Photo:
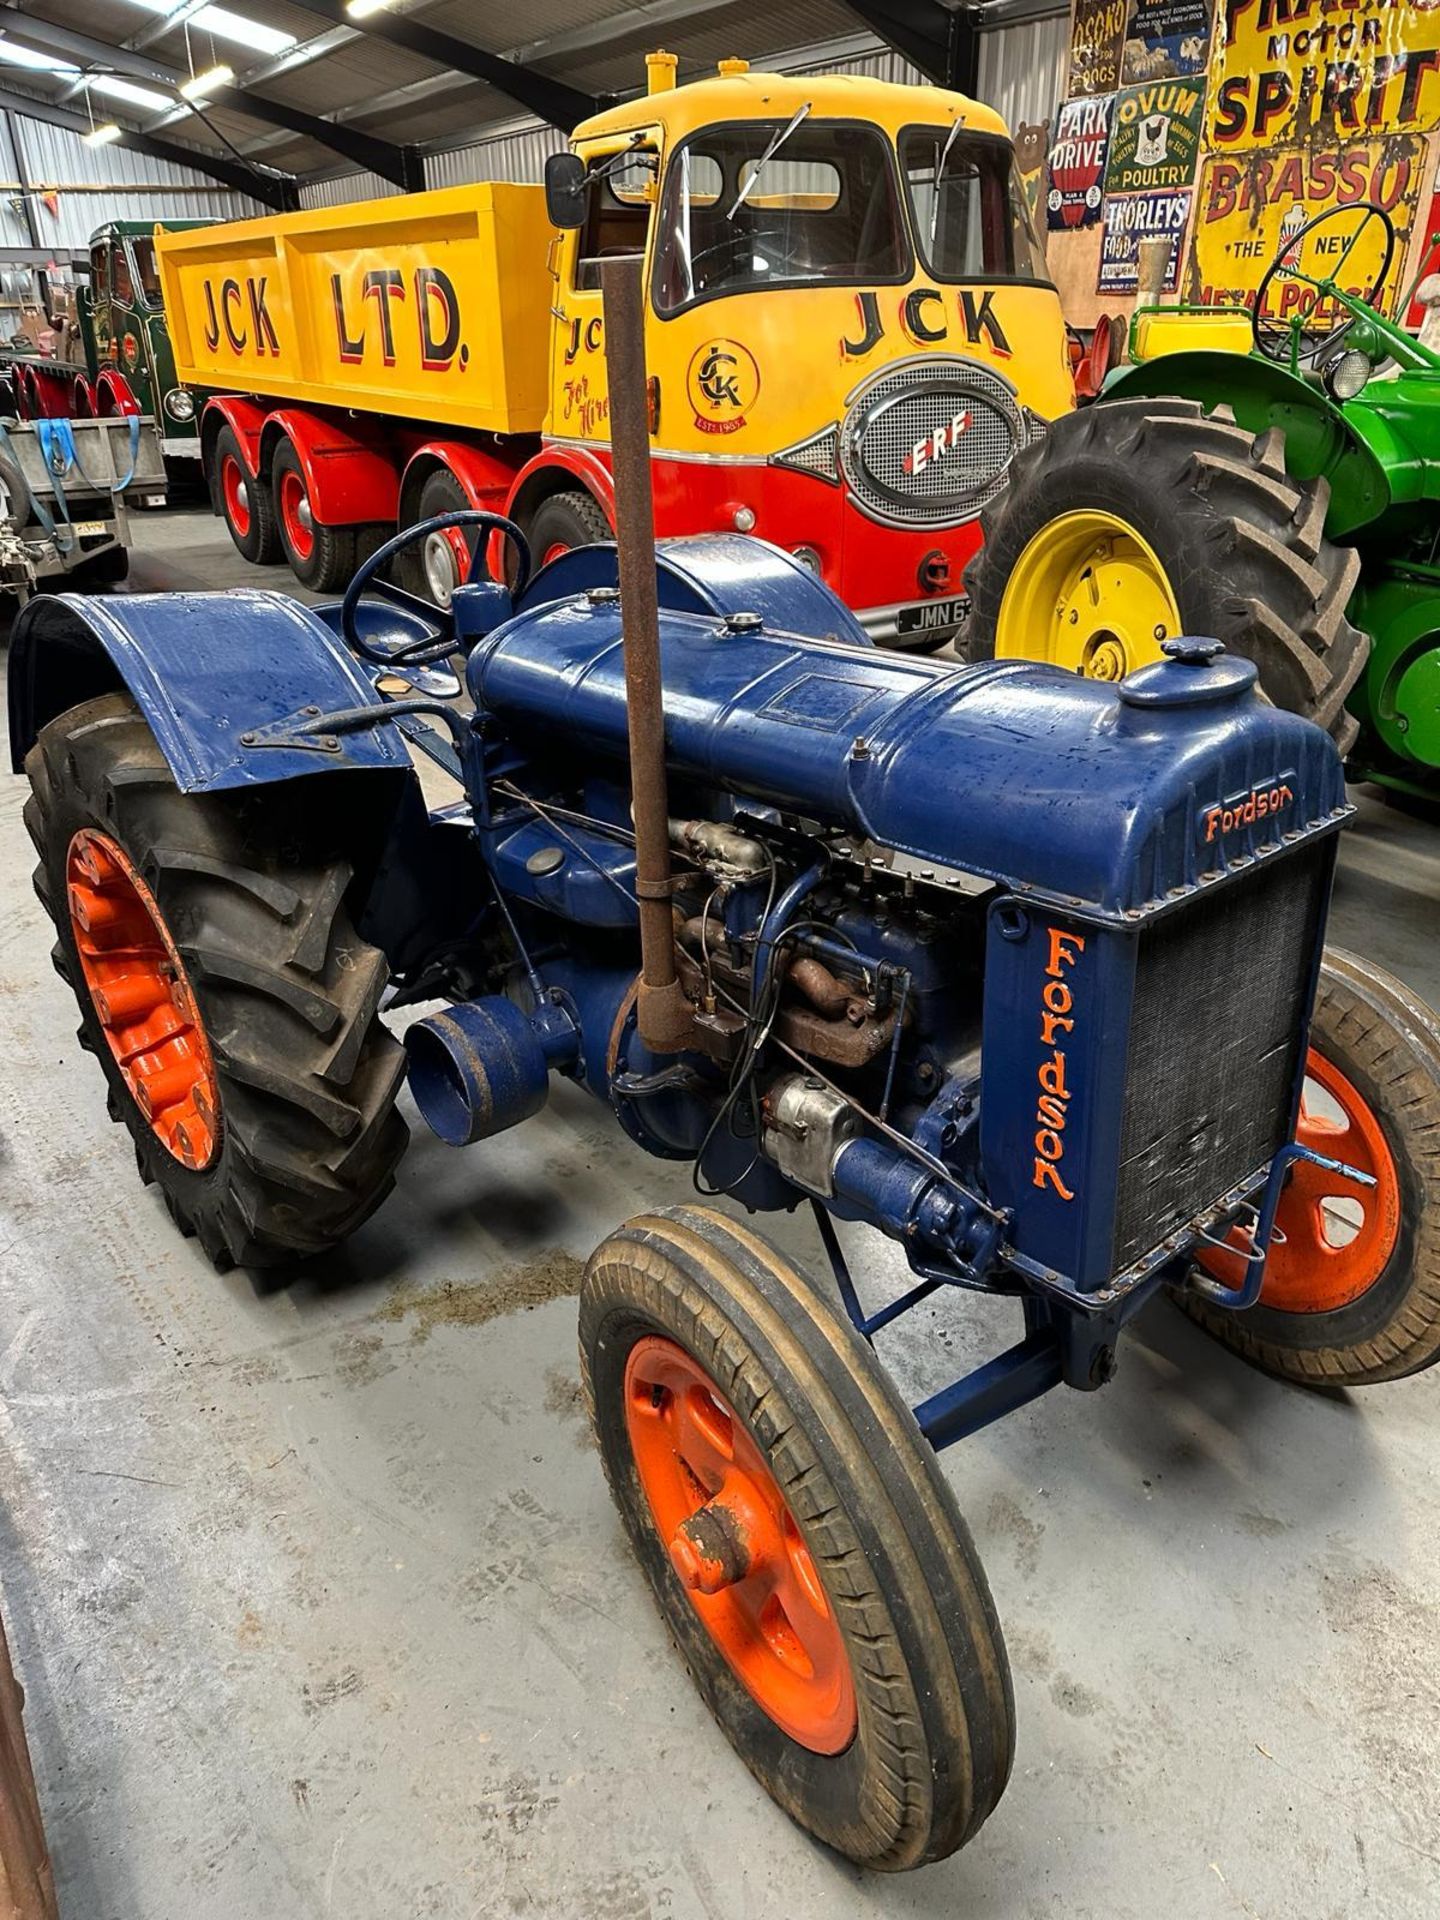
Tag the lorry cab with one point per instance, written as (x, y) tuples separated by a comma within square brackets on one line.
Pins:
[(127, 344), (908, 345)]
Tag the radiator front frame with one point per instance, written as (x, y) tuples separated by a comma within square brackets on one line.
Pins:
[(1080, 967)]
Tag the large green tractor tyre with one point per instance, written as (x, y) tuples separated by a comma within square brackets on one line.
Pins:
[(1135, 520), (222, 987)]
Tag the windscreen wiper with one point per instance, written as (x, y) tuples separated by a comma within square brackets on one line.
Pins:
[(767, 156), (950, 140)]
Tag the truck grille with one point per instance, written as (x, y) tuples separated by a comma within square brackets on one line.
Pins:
[(1219, 991), (964, 418)]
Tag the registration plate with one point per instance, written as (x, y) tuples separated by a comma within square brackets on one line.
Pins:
[(933, 616), (87, 529)]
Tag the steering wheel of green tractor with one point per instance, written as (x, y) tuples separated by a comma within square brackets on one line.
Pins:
[(440, 641), (1292, 341)]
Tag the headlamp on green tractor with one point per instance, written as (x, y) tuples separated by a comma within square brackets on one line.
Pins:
[(1347, 376)]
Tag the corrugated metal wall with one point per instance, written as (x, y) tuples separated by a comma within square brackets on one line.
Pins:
[(349, 186), (95, 184), (1022, 69)]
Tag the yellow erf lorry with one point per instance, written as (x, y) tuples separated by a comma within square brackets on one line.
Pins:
[(850, 335)]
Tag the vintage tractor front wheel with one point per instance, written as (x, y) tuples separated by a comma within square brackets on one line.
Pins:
[(1352, 1292), (1132, 521), (804, 1548), (222, 987)]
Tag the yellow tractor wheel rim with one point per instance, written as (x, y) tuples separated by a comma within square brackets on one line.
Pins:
[(1088, 593)]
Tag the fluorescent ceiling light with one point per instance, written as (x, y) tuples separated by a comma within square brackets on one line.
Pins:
[(362, 9), (101, 136), (226, 25), (127, 90), (19, 56), (201, 84)]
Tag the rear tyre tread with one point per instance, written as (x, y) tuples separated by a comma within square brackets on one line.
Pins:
[(308, 1075)]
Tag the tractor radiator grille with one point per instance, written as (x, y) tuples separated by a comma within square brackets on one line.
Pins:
[(1219, 989)]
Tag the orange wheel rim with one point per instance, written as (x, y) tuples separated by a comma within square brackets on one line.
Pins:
[(1339, 1235), (142, 998), (554, 551), (736, 1547)]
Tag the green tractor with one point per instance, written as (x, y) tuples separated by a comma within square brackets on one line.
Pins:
[(1268, 476)]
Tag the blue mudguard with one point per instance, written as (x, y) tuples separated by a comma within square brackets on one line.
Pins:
[(205, 669)]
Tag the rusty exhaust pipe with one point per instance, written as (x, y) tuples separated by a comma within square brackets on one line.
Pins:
[(663, 1014)]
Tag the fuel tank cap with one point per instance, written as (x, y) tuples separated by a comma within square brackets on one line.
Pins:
[(1196, 672)]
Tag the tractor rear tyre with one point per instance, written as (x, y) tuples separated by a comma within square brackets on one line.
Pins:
[(1134, 520), (566, 520), (243, 502), (1352, 1294), (222, 987), (803, 1546), (321, 558)]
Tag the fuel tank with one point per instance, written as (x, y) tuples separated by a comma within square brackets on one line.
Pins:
[(1119, 800)]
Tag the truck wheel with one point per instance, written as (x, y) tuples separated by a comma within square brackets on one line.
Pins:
[(805, 1550), (1352, 1293), (438, 564), (321, 558), (222, 987), (244, 501), (1134, 520), (564, 521)]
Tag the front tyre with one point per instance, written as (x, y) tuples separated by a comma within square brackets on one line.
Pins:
[(802, 1544), (1133, 521), (566, 520), (1352, 1293), (222, 987)]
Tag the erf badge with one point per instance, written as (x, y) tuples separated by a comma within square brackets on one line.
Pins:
[(723, 383)]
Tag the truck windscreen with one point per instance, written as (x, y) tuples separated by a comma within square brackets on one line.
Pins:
[(822, 210), (971, 218)]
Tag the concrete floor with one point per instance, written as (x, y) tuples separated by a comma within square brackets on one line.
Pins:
[(322, 1607)]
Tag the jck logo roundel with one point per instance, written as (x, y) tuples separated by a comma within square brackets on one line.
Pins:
[(723, 382)]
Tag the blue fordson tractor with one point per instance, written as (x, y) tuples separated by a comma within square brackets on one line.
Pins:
[(1021, 970)]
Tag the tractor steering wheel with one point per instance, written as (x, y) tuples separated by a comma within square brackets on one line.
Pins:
[(1276, 339), (440, 641)]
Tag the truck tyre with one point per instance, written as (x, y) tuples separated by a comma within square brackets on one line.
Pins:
[(222, 987), (1352, 1294), (437, 564), (243, 501), (802, 1544), (1134, 520), (321, 558), (567, 520)]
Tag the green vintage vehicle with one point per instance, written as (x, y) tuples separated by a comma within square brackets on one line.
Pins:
[(128, 365), (1267, 475)]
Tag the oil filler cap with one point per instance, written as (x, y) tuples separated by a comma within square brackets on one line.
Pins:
[(1196, 672)]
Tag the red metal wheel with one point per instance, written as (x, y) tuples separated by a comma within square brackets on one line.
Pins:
[(142, 998), (554, 551), (1338, 1235), (736, 1547), (295, 514), (235, 487)]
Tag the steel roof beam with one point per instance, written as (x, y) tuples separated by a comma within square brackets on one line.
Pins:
[(401, 165), (941, 41), (277, 190), (552, 100)]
